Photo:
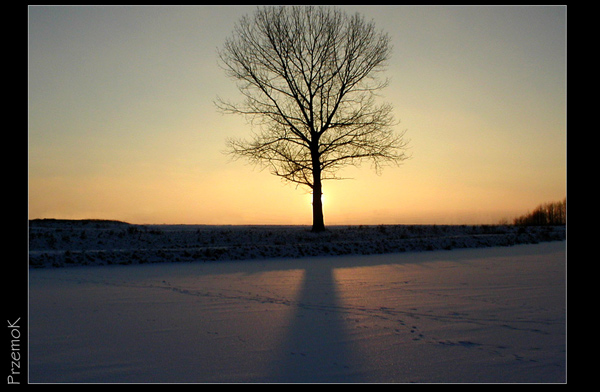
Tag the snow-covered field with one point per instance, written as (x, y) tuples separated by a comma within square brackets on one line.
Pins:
[(484, 314), (67, 243)]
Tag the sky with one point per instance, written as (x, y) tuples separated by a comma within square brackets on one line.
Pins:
[(122, 122)]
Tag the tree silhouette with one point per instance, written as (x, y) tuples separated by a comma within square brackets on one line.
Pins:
[(309, 78), (547, 214)]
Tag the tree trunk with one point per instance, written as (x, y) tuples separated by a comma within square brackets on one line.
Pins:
[(318, 221)]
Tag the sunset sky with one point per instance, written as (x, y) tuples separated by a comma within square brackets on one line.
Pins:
[(122, 121)]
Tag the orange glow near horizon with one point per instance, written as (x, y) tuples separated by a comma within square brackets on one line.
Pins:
[(122, 123)]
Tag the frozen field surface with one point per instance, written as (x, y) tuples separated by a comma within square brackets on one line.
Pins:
[(495, 314)]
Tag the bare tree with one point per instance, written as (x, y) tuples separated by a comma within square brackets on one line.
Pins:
[(309, 78), (547, 214)]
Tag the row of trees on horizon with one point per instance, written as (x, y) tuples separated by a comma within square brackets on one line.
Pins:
[(547, 214)]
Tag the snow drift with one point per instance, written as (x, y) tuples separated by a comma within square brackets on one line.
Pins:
[(55, 243)]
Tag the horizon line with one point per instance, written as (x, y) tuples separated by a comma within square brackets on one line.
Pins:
[(115, 221)]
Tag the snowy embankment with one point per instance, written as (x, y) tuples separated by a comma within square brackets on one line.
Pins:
[(55, 243)]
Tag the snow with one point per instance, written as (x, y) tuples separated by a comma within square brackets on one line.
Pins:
[(474, 314), (69, 243)]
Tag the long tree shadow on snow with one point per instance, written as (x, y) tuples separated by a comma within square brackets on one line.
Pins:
[(317, 347)]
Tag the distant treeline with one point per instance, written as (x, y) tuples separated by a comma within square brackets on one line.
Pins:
[(548, 214)]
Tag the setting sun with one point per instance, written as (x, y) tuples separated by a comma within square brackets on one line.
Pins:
[(324, 199)]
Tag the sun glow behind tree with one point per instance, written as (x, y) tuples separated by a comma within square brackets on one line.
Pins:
[(308, 76)]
